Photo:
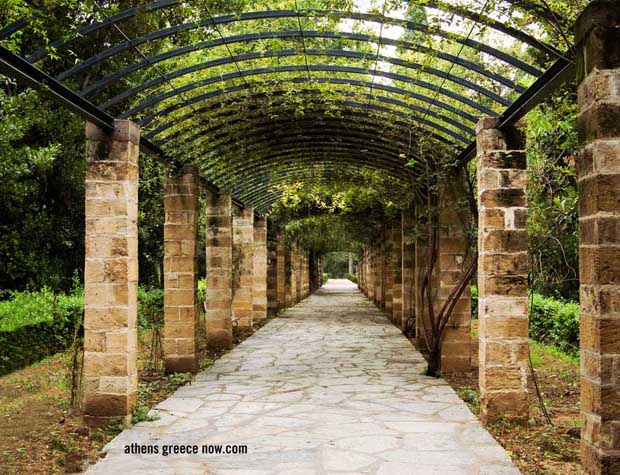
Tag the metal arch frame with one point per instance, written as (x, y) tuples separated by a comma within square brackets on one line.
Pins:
[(335, 54), (293, 34), (276, 14), (311, 122), (259, 147), (209, 146), (379, 152), (394, 113), (303, 80), (249, 120), (284, 69), (290, 160), (297, 68), (260, 193), (266, 162), (533, 95)]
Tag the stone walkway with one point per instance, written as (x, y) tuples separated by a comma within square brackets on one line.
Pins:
[(329, 387)]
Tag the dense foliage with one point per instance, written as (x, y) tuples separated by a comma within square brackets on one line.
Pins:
[(34, 325), (555, 321), (553, 195)]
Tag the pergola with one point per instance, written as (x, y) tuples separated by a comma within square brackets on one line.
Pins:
[(242, 99)]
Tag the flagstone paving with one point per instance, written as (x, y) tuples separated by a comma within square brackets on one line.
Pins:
[(331, 386)]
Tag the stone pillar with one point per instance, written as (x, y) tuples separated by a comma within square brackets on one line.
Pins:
[(388, 271), (306, 281), (219, 270), (272, 271), (379, 253), (243, 260), (294, 273), (408, 265), (289, 277), (360, 272), (111, 273), (281, 270), (181, 271), (259, 271), (350, 263), (371, 273), (396, 265), (502, 272), (454, 258), (598, 169), (300, 274)]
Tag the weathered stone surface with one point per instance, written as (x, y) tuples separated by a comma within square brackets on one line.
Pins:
[(180, 338), (243, 262), (219, 269), (111, 272), (598, 62), (259, 270), (312, 392), (502, 273)]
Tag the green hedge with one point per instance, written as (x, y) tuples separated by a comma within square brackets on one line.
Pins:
[(34, 325), (551, 321), (555, 321)]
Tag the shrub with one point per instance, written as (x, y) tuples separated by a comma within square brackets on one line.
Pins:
[(555, 321), (34, 325), (552, 321), (326, 277), (150, 307), (202, 291)]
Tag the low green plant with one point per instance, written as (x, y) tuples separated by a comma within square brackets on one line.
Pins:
[(556, 322), (202, 291), (150, 308), (179, 379), (141, 414), (552, 321)]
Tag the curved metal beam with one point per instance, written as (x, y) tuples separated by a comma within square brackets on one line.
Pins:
[(329, 137), (193, 145), (153, 101), (276, 14), (362, 84), (351, 55), (261, 194), (363, 123), (290, 161), (328, 130), (296, 34), (247, 121), (250, 122), (218, 175), (304, 155)]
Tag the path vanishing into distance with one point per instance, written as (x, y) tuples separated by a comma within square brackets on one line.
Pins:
[(330, 386)]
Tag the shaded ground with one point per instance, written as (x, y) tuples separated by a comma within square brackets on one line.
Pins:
[(538, 448), (330, 387)]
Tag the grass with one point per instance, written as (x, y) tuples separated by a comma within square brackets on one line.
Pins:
[(542, 353)]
